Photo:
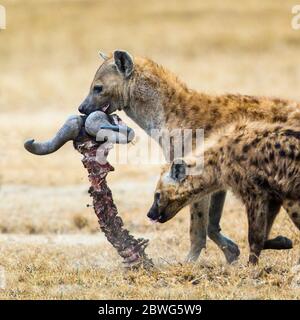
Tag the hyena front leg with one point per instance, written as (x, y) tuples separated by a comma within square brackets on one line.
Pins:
[(229, 248), (198, 228), (210, 206), (257, 210)]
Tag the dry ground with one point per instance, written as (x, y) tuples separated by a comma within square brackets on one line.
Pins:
[(50, 243)]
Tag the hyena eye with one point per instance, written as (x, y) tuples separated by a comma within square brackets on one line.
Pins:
[(98, 89)]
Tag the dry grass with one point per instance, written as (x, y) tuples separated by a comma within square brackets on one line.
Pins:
[(88, 270), (50, 245)]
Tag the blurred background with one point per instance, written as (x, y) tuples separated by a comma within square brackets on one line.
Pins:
[(48, 57)]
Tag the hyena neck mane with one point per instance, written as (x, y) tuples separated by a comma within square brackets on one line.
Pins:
[(159, 100)]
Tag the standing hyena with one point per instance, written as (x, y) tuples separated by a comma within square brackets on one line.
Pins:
[(259, 162), (156, 99)]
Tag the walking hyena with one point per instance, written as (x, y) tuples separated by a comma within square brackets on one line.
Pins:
[(259, 162), (156, 99)]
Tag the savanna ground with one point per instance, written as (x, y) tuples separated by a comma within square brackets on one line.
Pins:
[(50, 243)]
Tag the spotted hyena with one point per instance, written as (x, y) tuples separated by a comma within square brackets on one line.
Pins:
[(259, 162), (156, 99)]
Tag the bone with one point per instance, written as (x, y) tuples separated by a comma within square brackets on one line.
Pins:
[(104, 128), (130, 249), (99, 125), (69, 131)]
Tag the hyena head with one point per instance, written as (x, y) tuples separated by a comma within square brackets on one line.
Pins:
[(174, 191), (108, 90)]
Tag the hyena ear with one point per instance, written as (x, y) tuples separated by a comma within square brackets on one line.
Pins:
[(123, 62), (103, 56), (178, 170)]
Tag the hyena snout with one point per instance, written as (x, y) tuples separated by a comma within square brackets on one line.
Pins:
[(81, 108), (87, 106), (153, 213)]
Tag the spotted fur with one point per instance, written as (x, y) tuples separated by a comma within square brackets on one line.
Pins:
[(259, 162), (155, 98)]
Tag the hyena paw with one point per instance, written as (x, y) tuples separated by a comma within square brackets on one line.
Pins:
[(192, 256), (231, 251), (278, 243)]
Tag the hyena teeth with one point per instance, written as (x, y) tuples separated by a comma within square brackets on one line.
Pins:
[(105, 108)]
